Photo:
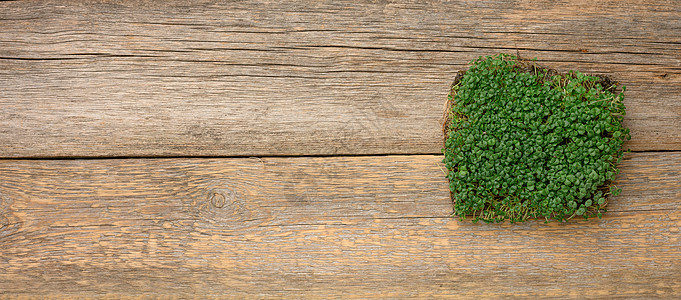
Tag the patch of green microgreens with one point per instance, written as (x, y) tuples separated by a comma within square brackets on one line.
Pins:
[(525, 142)]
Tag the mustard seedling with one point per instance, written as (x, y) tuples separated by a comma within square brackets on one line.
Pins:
[(525, 142)]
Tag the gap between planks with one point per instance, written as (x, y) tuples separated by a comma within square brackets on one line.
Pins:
[(257, 157)]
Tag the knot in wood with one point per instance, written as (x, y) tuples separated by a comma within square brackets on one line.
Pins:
[(220, 198)]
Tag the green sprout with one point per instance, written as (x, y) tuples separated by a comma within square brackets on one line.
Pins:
[(526, 142)]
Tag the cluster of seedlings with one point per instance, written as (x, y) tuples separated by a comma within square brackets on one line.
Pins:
[(525, 142)]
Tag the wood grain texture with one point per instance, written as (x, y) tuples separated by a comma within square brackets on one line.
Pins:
[(346, 227), (244, 78)]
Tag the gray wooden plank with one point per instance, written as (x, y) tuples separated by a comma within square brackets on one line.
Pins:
[(342, 227), (201, 78)]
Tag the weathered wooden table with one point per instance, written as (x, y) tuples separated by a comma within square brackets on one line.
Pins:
[(266, 149)]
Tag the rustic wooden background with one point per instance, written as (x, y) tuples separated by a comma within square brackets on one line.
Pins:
[(292, 149)]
